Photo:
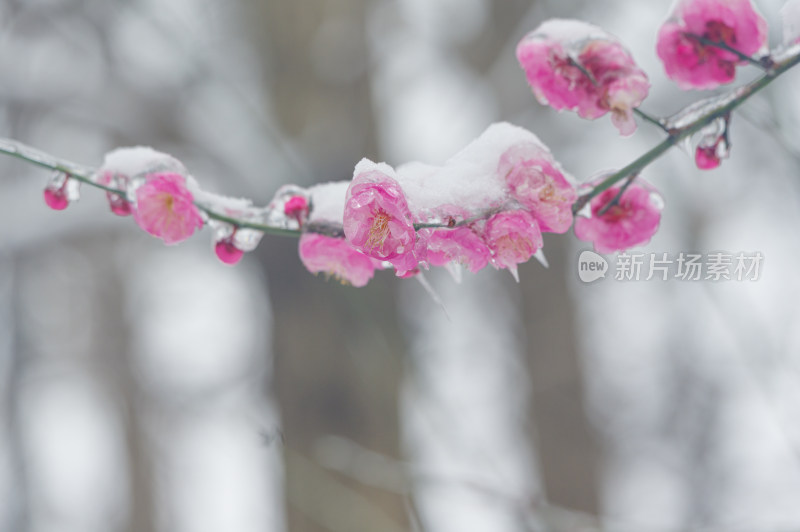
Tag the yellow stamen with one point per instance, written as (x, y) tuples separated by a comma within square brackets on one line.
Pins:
[(378, 231)]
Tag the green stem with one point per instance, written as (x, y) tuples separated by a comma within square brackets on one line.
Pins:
[(735, 98), (267, 229), (647, 118), (618, 195)]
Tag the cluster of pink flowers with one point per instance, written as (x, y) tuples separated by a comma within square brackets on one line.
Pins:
[(573, 65), (159, 201), (516, 195), (490, 203)]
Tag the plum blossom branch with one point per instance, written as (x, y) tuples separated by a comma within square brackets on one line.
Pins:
[(490, 202), (680, 128), (86, 175)]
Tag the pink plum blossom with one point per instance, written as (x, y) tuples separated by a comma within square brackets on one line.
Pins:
[(573, 65), (335, 257), (377, 220), (459, 245), (632, 221), (165, 208), (693, 64), (537, 182), (513, 237)]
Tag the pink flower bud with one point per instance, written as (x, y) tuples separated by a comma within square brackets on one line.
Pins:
[(336, 258), (573, 65), (227, 251), (56, 199), (693, 64), (296, 207), (119, 205), (165, 208), (60, 191), (632, 221), (706, 157), (537, 182), (377, 220)]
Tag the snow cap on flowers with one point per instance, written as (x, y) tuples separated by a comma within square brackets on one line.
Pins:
[(376, 218), (632, 221), (695, 65), (337, 258), (125, 169), (165, 208), (577, 66)]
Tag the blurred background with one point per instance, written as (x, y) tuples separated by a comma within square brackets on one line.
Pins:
[(145, 388)]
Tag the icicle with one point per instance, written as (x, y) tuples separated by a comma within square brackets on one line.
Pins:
[(539, 255), (455, 270), (432, 293)]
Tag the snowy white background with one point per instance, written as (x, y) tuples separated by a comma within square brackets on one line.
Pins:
[(148, 388)]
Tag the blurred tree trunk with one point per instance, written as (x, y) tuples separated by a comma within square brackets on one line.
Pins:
[(12, 362), (326, 382), (568, 453)]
